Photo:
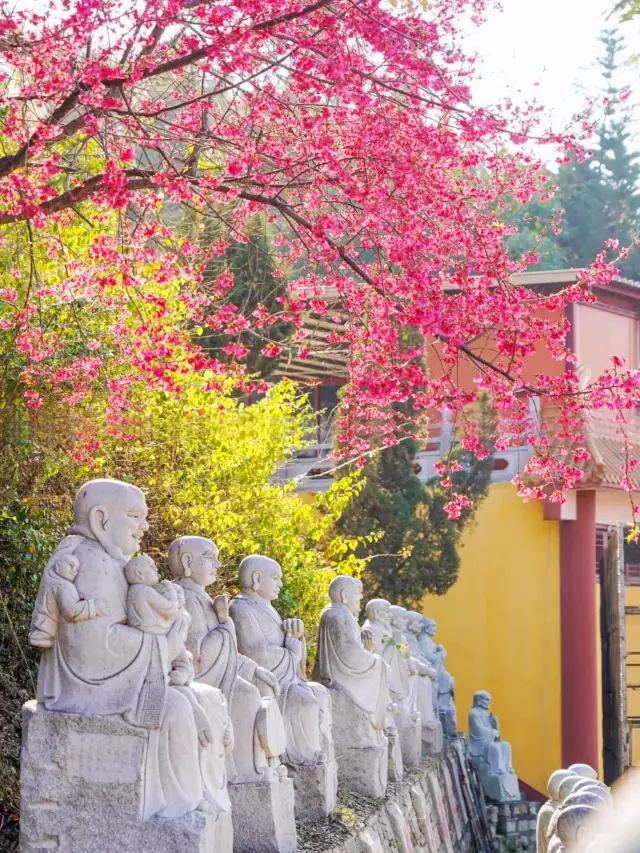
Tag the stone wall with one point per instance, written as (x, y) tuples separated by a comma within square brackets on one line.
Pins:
[(437, 808)]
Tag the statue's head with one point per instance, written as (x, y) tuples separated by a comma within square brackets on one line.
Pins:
[(482, 699), (415, 622), (379, 610), (261, 576), (196, 558), (113, 513), (584, 770), (399, 617), (429, 627), (585, 798), (555, 779), (583, 784), (348, 591), (141, 569), (67, 567), (573, 824), (566, 787)]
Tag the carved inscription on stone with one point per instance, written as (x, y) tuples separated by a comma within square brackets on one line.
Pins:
[(105, 758)]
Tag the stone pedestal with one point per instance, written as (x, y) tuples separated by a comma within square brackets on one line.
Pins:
[(263, 818), (501, 789), (410, 734), (361, 751), (315, 790), (432, 739), (82, 789)]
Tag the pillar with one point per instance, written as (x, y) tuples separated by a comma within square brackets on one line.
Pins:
[(579, 634)]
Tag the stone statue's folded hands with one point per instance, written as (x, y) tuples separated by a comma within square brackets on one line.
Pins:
[(101, 608), (268, 678), (221, 607), (368, 640), (293, 645)]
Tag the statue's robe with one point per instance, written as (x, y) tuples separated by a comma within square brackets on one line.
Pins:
[(484, 745), (217, 663), (387, 648), (545, 814), (343, 662), (305, 706)]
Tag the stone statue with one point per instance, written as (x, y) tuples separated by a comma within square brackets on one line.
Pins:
[(432, 734), (490, 754), (262, 814), (279, 646), (59, 598), (549, 808), (358, 681), (151, 606), (123, 739), (436, 655), (392, 647)]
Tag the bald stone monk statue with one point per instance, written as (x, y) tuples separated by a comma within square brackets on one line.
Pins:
[(358, 681), (102, 667), (392, 647), (211, 639), (549, 808), (279, 646), (432, 734), (261, 792), (490, 754)]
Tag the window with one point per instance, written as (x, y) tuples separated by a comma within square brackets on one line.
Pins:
[(603, 531), (632, 574)]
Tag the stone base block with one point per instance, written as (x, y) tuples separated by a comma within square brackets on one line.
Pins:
[(410, 734), (501, 789), (82, 788), (432, 739), (361, 751), (263, 818), (364, 770), (315, 790)]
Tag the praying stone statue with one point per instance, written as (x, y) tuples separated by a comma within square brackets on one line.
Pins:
[(279, 646), (113, 749), (549, 808), (444, 700), (490, 754), (393, 649), (260, 790), (432, 735), (358, 683)]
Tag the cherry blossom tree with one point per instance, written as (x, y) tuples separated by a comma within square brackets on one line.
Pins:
[(349, 126)]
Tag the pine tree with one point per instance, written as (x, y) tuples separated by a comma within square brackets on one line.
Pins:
[(601, 196), (251, 263), (414, 546)]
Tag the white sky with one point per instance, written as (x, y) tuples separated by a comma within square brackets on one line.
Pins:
[(551, 42)]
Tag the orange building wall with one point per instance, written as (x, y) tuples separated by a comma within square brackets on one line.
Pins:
[(500, 624), (598, 333)]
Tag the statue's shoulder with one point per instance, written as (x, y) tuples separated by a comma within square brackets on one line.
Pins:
[(240, 602), (335, 615)]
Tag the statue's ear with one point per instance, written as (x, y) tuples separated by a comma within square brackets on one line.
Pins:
[(98, 517), (185, 562), (256, 577), (343, 595)]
